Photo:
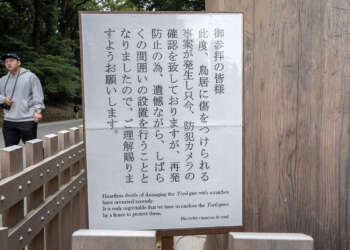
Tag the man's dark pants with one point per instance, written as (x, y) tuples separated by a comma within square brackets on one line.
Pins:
[(15, 131)]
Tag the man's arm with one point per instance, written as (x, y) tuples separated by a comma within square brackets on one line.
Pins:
[(38, 98), (2, 94), (3, 97)]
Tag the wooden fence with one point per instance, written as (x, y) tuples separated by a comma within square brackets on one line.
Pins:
[(44, 200), (296, 117)]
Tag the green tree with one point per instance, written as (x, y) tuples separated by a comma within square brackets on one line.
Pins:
[(170, 5), (45, 33)]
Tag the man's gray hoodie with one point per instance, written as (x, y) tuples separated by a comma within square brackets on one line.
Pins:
[(28, 96)]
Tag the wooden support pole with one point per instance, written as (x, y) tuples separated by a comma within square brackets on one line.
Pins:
[(74, 139), (114, 239), (64, 143), (66, 214), (3, 238), (84, 216), (167, 243), (12, 163), (267, 241), (53, 228), (35, 154)]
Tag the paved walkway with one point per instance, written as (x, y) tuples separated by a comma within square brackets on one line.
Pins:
[(49, 128)]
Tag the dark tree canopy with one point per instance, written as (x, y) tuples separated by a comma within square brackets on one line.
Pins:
[(45, 33)]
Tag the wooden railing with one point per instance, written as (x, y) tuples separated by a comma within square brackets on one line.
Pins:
[(44, 200)]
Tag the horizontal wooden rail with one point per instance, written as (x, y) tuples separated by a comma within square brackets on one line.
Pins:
[(36, 220), (16, 187)]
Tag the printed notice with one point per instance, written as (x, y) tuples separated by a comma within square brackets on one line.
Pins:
[(163, 119)]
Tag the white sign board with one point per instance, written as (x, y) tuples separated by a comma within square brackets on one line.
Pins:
[(163, 119)]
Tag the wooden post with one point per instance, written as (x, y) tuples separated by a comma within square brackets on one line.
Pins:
[(52, 229), (267, 241), (35, 154), (84, 217), (167, 243), (74, 139), (66, 214), (114, 239), (64, 143), (3, 238), (214, 5), (12, 163)]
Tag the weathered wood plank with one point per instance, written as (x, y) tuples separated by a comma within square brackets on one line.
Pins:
[(66, 214), (215, 5), (3, 238), (64, 143), (52, 229), (39, 174), (12, 163), (84, 216), (275, 110), (339, 73), (269, 241), (118, 240), (74, 139), (296, 117), (34, 154), (36, 220)]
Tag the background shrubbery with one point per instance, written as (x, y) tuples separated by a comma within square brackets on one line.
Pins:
[(45, 33)]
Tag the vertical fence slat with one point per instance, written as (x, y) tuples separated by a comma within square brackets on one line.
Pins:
[(35, 154), (74, 139), (81, 132), (12, 163), (84, 217), (52, 229), (3, 238), (66, 214), (63, 143)]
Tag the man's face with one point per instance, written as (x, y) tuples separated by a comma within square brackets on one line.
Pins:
[(12, 64)]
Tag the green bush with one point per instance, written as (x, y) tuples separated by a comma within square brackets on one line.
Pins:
[(59, 78)]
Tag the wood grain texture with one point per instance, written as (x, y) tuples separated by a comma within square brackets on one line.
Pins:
[(34, 154), (116, 240), (167, 243), (66, 227), (76, 224), (12, 163), (84, 216), (276, 241), (64, 142), (215, 5), (3, 238), (53, 228), (297, 117)]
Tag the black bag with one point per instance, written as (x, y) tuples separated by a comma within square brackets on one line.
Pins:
[(5, 106)]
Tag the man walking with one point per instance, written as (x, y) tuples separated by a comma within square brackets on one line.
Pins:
[(22, 99)]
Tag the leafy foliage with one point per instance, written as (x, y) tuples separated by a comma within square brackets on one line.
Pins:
[(170, 5), (45, 34), (60, 79)]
